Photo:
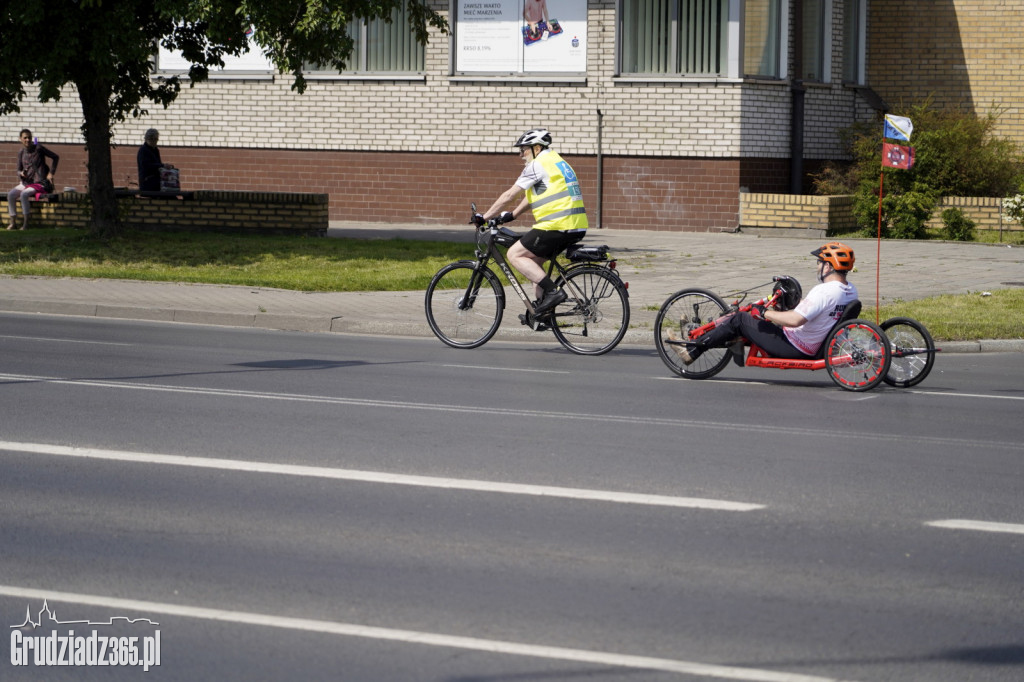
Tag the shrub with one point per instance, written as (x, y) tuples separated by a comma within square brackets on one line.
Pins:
[(956, 154), (956, 226), (1014, 207)]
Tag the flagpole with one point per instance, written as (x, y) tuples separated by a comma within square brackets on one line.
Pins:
[(878, 253)]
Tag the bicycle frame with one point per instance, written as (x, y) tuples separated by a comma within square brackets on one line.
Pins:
[(492, 253)]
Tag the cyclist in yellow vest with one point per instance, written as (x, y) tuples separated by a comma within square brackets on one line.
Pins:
[(552, 193)]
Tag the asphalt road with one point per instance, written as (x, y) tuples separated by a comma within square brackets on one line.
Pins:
[(323, 506)]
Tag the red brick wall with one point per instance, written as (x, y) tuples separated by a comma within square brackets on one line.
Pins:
[(675, 194)]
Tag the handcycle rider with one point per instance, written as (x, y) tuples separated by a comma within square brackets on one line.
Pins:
[(552, 192), (789, 334)]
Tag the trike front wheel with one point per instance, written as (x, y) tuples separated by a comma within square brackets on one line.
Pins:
[(464, 304), (913, 351), (683, 312)]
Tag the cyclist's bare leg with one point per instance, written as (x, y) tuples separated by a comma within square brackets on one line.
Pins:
[(529, 264)]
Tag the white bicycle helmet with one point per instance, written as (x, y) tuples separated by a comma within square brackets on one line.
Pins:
[(539, 136)]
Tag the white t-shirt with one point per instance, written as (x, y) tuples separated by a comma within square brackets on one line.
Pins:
[(534, 175), (825, 304)]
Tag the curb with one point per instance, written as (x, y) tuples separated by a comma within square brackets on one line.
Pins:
[(313, 323)]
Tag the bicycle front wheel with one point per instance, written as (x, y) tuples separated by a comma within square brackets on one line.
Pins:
[(683, 312), (595, 316), (464, 304), (913, 351)]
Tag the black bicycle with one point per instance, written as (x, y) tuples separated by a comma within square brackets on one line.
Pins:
[(465, 300)]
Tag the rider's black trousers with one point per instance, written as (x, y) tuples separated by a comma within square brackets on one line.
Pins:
[(769, 337)]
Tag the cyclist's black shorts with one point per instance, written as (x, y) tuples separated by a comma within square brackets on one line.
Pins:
[(549, 243)]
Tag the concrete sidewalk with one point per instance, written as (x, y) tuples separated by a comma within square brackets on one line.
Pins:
[(655, 264)]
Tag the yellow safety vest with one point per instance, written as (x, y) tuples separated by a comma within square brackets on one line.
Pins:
[(560, 207)]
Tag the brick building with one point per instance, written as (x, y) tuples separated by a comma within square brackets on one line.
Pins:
[(667, 109)]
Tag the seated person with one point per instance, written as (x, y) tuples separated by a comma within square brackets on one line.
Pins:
[(34, 176), (149, 163), (792, 334)]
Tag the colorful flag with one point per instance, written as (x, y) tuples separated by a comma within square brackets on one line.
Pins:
[(897, 156), (898, 128)]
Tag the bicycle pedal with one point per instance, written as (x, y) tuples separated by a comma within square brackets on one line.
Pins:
[(534, 324)]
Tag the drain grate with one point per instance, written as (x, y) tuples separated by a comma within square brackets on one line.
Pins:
[(1012, 284)]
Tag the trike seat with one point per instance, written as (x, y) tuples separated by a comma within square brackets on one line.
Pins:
[(851, 313)]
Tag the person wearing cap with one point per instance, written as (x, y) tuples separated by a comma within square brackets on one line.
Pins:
[(552, 192), (791, 334), (149, 163)]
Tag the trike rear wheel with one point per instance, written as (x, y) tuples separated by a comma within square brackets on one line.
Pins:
[(683, 312), (857, 355), (912, 349), (464, 304)]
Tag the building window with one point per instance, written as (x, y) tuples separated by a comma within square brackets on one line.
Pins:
[(517, 37), (674, 37), (379, 46), (762, 36), (814, 41), (854, 20)]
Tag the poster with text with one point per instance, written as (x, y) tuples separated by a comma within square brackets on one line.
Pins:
[(521, 36)]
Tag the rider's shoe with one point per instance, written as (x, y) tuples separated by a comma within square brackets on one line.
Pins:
[(736, 348), (525, 319), (679, 347), (550, 300)]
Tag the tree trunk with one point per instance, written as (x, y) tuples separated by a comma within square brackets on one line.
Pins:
[(95, 97)]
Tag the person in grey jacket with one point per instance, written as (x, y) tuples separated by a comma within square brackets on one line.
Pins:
[(34, 178)]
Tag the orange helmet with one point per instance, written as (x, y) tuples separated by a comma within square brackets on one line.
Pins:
[(836, 254)]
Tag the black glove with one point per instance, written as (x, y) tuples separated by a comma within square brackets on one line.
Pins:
[(757, 310), (506, 217), (478, 220)]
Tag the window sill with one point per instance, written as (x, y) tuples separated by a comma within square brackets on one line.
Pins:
[(520, 79), (374, 76), (671, 80)]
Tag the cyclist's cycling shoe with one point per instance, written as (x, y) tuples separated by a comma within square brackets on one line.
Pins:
[(533, 323), (550, 300)]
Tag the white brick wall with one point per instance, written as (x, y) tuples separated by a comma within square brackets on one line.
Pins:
[(704, 119)]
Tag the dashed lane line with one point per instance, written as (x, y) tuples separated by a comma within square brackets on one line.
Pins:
[(633, 420), (381, 477), (984, 526)]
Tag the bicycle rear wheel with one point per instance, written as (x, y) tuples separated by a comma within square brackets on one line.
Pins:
[(595, 317), (857, 355), (683, 312), (464, 304), (913, 351)]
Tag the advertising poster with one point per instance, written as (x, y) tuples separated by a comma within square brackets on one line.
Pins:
[(521, 36)]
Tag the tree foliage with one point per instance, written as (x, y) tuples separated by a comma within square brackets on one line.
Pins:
[(105, 49), (956, 154)]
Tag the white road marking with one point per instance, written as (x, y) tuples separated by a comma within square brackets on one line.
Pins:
[(986, 526), (628, 419), (380, 477), (415, 637), (46, 338), (968, 395), (507, 369)]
